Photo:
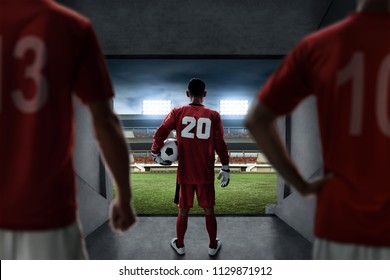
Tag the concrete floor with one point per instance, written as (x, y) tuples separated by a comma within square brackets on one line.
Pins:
[(243, 238)]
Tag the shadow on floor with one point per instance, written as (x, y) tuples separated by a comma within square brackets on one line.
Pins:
[(243, 238)]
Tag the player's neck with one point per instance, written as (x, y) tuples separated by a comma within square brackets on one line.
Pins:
[(373, 6), (196, 100)]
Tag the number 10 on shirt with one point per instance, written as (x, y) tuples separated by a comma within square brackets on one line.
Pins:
[(355, 71)]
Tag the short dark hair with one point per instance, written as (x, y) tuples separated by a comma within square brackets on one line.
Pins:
[(196, 87)]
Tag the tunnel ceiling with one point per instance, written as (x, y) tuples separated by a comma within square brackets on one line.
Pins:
[(202, 27)]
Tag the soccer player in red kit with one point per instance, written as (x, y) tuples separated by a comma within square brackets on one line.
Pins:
[(347, 68), (48, 53), (199, 133)]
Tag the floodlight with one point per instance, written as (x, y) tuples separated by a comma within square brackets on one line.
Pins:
[(233, 107), (156, 107)]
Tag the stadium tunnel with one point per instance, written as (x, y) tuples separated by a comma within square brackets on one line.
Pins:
[(221, 28)]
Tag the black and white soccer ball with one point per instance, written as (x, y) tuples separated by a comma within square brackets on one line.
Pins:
[(169, 150)]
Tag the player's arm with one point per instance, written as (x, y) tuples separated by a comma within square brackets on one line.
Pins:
[(159, 137), (115, 151), (222, 151), (261, 122)]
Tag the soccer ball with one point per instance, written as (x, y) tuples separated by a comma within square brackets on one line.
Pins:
[(169, 150)]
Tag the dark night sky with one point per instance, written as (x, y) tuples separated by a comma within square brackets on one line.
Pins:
[(138, 79)]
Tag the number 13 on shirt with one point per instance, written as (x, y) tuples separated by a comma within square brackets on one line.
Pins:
[(32, 72)]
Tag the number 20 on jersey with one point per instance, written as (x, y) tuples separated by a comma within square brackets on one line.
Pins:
[(201, 126)]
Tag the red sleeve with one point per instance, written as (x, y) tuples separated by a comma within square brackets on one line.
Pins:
[(219, 141), (288, 85), (168, 124), (92, 80)]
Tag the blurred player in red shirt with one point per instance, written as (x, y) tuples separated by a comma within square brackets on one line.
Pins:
[(347, 67), (199, 133), (48, 53)]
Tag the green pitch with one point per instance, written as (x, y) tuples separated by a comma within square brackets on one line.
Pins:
[(247, 193)]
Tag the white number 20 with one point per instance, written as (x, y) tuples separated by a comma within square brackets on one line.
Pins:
[(355, 71), (32, 71), (203, 127)]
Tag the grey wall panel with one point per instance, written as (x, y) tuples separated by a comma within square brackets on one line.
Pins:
[(298, 213), (305, 138), (86, 153), (93, 208), (295, 210), (202, 27), (93, 182)]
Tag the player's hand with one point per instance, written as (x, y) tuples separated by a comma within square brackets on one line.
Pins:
[(224, 176), (311, 188), (157, 158), (122, 216)]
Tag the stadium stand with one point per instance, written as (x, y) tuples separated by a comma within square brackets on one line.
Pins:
[(244, 154)]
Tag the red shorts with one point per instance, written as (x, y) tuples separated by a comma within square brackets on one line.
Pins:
[(204, 193)]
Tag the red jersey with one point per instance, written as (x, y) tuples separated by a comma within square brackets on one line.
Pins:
[(47, 52), (199, 133), (347, 68)]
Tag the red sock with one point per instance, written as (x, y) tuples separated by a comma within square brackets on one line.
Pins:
[(181, 228), (211, 225)]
